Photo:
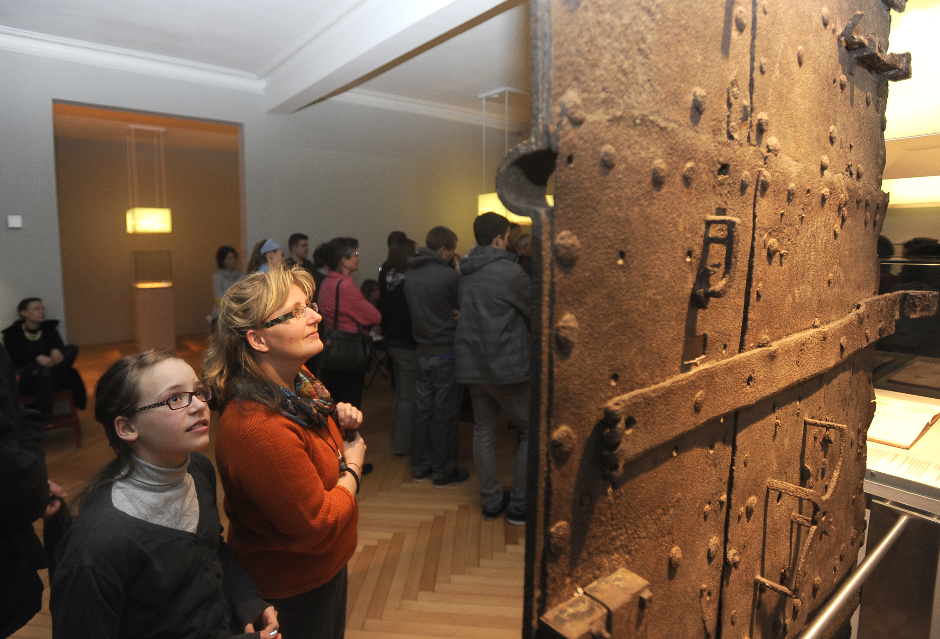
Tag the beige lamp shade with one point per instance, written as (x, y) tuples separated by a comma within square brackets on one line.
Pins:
[(149, 220)]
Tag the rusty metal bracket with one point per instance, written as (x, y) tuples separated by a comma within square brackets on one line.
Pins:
[(702, 289), (868, 51), (818, 518), (614, 606), (653, 416)]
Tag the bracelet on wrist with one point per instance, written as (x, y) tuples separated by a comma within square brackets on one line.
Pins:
[(344, 468)]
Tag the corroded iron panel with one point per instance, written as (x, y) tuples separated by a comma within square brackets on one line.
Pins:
[(702, 370)]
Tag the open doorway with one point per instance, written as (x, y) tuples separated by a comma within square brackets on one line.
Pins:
[(203, 190)]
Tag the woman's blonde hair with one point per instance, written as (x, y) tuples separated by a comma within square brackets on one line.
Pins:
[(244, 307)]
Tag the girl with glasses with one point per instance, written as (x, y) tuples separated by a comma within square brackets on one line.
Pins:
[(290, 458), (145, 556)]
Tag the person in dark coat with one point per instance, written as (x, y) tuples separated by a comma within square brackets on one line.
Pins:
[(26, 494), (42, 360)]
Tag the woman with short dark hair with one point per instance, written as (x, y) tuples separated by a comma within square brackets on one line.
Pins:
[(355, 314)]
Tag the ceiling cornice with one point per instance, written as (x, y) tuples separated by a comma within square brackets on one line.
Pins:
[(121, 59), (377, 100)]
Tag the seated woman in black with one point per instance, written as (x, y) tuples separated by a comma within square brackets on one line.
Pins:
[(42, 360)]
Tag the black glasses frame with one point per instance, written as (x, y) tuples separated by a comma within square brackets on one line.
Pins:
[(205, 396), (297, 312)]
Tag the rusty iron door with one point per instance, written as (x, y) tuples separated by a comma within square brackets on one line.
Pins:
[(706, 326)]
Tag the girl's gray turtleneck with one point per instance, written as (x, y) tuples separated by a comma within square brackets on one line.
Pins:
[(163, 496)]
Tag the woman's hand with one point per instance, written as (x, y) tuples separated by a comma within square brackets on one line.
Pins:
[(266, 624), (56, 356), (56, 495), (348, 417), (45, 360), (355, 452)]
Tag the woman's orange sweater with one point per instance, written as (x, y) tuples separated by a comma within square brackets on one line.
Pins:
[(290, 526)]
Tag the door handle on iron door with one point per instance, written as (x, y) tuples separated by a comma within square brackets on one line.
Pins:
[(703, 288)]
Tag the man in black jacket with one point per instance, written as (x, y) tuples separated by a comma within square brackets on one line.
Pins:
[(26, 494), (431, 289)]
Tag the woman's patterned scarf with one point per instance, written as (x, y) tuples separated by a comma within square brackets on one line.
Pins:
[(309, 404)]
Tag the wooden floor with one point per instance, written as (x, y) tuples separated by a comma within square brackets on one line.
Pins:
[(427, 565)]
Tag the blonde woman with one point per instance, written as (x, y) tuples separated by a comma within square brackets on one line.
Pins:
[(289, 458)]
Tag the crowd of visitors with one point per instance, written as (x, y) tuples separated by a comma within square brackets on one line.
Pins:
[(146, 557)]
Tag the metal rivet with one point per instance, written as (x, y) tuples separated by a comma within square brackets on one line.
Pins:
[(562, 442), (858, 171), (751, 505), (763, 121), (745, 180), (763, 66), (868, 98), (843, 81), (773, 145), (800, 53), (558, 537), (688, 172), (764, 176), (734, 558), (675, 557), (698, 99), (566, 331), (608, 157), (567, 248), (571, 107), (714, 545), (659, 172), (833, 134), (699, 401), (824, 163), (825, 16), (740, 19)]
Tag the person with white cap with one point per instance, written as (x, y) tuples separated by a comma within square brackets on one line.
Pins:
[(264, 255)]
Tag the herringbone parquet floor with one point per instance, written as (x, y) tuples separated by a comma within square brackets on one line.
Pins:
[(427, 565)]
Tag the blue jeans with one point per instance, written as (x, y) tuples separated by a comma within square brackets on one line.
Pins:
[(403, 412), (437, 399), (487, 400)]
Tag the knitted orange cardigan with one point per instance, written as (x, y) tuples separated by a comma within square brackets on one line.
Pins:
[(291, 527)]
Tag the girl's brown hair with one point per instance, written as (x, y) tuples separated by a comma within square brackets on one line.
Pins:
[(117, 394)]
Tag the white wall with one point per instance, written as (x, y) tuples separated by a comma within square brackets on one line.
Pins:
[(332, 169)]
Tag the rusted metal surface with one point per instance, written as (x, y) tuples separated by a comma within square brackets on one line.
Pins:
[(704, 337), (614, 606)]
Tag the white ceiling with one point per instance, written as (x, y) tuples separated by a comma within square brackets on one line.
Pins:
[(426, 56)]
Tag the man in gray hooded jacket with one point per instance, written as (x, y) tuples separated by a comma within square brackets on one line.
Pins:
[(431, 292), (493, 352)]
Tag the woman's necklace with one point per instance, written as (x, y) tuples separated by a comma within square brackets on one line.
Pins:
[(33, 337), (334, 447)]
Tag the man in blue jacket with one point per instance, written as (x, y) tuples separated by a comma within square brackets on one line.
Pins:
[(493, 357)]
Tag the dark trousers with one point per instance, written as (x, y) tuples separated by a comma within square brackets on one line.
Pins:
[(316, 614), (42, 382), (437, 400), (344, 386)]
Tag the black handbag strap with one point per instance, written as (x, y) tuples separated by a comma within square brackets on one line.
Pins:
[(336, 308)]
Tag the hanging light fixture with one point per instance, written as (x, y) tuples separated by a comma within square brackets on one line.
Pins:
[(489, 202), (157, 218)]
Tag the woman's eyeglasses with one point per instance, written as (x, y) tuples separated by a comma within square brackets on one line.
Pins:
[(297, 312), (181, 399)]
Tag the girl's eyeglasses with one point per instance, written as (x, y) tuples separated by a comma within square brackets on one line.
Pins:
[(181, 399)]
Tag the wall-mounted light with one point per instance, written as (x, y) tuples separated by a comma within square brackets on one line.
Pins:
[(489, 202), (913, 192), (155, 219)]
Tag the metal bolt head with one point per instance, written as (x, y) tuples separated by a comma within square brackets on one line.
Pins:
[(824, 163), (675, 557), (843, 81), (698, 99), (659, 172), (773, 145), (800, 55), (825, 17), (567, 248), (608, 157), (699, 401), (763, 121)]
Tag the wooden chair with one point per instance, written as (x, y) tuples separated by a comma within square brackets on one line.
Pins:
[(67, 418)]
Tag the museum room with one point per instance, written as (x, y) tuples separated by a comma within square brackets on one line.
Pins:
[(698, 400)]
